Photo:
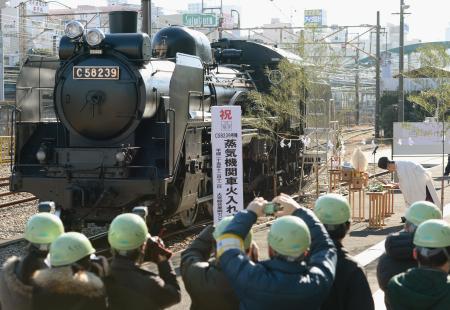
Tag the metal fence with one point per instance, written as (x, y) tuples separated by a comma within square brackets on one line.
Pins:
[(6, 149), (6, 132)]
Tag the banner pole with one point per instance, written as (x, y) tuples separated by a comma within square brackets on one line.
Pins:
[(443, 164)]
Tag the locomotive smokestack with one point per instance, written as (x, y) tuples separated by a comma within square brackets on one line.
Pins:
[(147, 17), (123, 22)]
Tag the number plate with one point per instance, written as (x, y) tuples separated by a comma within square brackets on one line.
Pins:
[(95, 73)]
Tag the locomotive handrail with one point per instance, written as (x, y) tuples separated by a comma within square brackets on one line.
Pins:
[(170, 110), (155, 169), (195, 92)]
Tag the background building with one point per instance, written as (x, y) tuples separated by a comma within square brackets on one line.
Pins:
[(447, 33)]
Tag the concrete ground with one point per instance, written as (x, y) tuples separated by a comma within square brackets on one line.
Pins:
[(362, 242)]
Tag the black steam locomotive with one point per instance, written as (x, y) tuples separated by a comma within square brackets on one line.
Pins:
[(117, 122)]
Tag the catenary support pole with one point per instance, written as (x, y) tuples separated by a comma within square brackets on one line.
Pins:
[(377, 80), (401, 104)]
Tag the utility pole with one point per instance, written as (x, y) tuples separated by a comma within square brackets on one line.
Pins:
[(377, 81), (146, 7), (281, 37), (221, 20), (22, 30), (357, 112), (220, 26), (2, 67), (401, 106)]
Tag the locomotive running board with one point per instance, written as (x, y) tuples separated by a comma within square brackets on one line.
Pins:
[(204, 199)]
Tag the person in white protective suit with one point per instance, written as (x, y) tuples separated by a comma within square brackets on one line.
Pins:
[(414, 181)]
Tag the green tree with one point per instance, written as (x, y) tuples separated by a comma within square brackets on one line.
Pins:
[(388, 103), (301, 86), (283, 100), (434, 99)]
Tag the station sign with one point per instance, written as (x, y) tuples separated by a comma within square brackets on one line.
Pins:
[(200, 20), (226, 140)]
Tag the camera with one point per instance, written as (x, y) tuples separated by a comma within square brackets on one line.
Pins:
[(271, 207), (154, 248)]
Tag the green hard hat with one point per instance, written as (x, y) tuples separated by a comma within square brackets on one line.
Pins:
[(43, 228), (69, 248), (332, 209), (289, 236), (421, 211), (222, 225), (127, 232), (433, 234)]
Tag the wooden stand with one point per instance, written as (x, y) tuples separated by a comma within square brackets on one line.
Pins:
[(377, 207), (335, 179), (361, 203), (390, 199)]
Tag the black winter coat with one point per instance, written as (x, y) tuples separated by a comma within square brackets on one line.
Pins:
[(397, 259), (350, 288), (61, 289), (14, 294), (204, 280), (132, 288)]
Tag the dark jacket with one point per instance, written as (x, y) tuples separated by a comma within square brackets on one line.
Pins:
[(350, 289), (62, 289), (29, 263), (419, 288), (397, 259), (204, 280), (277, 283), (130, 287), (14, 294)]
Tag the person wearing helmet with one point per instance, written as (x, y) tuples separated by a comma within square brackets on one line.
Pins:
[(129, 286), (333, 211), (69, 283), (15, 277), (398, 256), (428, 285), (300, 271), (203, 278)]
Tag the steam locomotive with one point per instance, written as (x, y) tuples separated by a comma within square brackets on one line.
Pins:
[(118, 121)]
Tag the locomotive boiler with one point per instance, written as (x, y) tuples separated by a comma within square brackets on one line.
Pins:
[(118, 121)]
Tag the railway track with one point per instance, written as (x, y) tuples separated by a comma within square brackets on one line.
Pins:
[(100, 241), (4, 182)]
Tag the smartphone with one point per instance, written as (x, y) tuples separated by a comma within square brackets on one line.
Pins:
[(271, 207)]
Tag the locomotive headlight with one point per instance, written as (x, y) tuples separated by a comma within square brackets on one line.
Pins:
[(74, 29), (94, 37), (41, 155), (120, 156)]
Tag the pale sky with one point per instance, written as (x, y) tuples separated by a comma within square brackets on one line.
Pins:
[(427, 22)]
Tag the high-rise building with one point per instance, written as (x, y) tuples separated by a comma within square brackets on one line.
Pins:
[(447, 33), (394, 35), (117, 2), (195, 7)]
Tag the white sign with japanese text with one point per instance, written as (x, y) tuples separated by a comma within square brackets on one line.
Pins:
[(421, 138), (226, 140)]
